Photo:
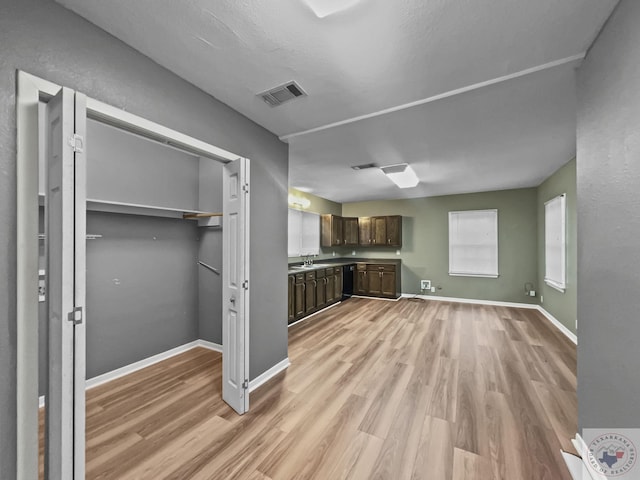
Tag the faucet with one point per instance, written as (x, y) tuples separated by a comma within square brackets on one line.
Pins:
[(308, 261)]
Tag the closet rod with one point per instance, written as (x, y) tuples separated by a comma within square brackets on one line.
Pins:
[(90, 236), (209, 267), (200, 215)]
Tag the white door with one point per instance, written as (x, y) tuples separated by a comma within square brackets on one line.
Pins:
[(65, 230), (235, 285)]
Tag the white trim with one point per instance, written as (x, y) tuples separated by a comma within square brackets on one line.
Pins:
[(474, 275), (139, 365), (102, 111), (496, 303), (377, 298), (451, 93), (554, 285), (568, 333), (145, 362), (583, 450), (314, 314), (269, 374), (216, 347), (531, 306), (27, 98)]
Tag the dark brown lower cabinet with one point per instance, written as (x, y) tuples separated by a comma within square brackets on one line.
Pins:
[(314, 290), (299, 294), (292, 298), (310, 284), (321, 299), (377, 280), (337, 290)]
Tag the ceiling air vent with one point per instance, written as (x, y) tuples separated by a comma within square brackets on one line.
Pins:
[(279, 95), (364, 166)]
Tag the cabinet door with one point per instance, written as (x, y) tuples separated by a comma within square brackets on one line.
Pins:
[(362, 283), (364, 231), (379, 230), (388, 284), (394, 231), (350, 230), (336, 231), (292, 296), (337, 291), (299, 295), (375, 281), (309, 296), (320, 292), (331, 231), (329, 288)]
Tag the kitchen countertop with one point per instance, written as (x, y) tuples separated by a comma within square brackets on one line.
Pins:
[(341, 261)]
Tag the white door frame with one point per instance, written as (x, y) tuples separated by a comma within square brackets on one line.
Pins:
[(30, 89)]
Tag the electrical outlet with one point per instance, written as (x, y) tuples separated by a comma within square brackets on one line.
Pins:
[(541, 299), (532, 293), (425, 284), (353, 252), (433, 289)]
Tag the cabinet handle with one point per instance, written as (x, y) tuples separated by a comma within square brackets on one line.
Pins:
[(315, 284)]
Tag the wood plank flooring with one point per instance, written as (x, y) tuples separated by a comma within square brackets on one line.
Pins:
[(376, 390)]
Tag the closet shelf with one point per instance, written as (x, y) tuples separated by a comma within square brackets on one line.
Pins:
[(94, 204)]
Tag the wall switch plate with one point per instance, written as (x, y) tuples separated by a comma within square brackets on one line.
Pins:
[(397, 252), (334, 254), (425, 284), (353, 252), (541, 299)]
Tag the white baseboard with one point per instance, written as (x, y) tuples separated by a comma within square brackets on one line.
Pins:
[(313, 314), (139, 365), (269, 374), (378, 298), (471, 300), (584, 472), (216, 347), (568, 333)]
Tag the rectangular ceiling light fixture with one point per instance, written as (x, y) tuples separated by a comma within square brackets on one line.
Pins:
[(401, 174)]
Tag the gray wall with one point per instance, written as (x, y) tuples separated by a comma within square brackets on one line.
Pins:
[(44, 39), (608, 178), (142, 288), (562, 306), (425, 244)]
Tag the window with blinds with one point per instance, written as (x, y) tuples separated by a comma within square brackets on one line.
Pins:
[(303, 234), (555, 242), (473, 243)]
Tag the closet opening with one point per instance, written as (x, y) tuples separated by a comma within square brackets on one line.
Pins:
[(140, 254)]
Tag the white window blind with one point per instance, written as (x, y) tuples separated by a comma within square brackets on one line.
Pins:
[(555, 242), (304, 233), (473, 243)]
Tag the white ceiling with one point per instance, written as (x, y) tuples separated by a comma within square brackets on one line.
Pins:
[(375, 55)]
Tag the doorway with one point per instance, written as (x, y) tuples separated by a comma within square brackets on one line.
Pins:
[(67, 114)]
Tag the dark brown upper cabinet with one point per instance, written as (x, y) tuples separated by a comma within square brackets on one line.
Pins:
[(331, 232), (386, 231), (350, 230), (364, 231)]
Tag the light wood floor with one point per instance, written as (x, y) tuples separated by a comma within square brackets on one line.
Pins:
[(375, 390)]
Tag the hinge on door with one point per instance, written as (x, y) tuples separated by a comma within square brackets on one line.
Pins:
[(77, 143), (245, 284), (75, 316), (245, 384), (245, 188)]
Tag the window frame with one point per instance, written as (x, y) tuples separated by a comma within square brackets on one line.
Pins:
[(557, 284), (460, 273), (300, 252)]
